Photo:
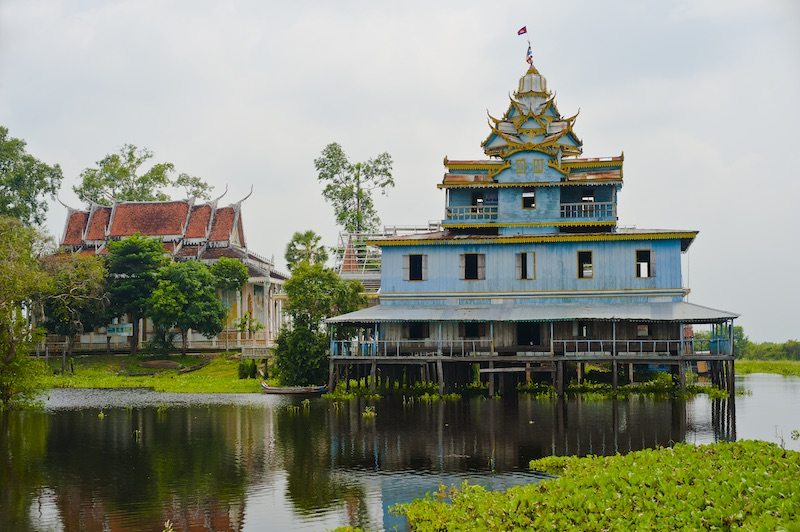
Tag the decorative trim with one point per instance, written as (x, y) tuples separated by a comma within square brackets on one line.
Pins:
[(609, 223), (532, 239), (624, 292), (478, 184)]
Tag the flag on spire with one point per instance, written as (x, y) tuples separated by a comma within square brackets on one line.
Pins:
[(523, 30), (529, 55)]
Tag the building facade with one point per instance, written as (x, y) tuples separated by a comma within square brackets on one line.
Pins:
[(530, 263), (189, 231)]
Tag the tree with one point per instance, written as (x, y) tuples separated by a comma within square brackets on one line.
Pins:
[(305, 247), (229, 274), (21, 280), (25, 182), (349, 187), (185, 298), (118, 177), (314, 293), (133, 265), (78, 301)]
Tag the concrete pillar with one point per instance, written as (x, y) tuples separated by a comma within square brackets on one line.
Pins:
[(630, 373), (580, 372)]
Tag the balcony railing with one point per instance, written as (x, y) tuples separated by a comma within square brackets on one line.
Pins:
[(588, 210), (472, 212)]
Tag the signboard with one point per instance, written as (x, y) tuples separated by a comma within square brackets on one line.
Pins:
[(119, 329)]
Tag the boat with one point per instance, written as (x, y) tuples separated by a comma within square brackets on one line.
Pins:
[(293, 390)]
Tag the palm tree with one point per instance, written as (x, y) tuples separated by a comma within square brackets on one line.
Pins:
[(305, 247)]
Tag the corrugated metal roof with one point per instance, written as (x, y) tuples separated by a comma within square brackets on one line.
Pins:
[(674, 311)]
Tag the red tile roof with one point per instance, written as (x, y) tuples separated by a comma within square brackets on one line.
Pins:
[(76, 223), (198, 221), (215, 253), (98, 221), (223, 224), (188, 251), (154, 219)]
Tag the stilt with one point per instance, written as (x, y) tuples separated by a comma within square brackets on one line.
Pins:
[(373, 373), (614, 374), (630, 373), (440, 372), (682, 374), (491, 380), (731, 379), (560, 378), (331, 372), (580, 372)]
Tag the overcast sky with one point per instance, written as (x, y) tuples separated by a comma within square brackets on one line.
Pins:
[(701, 96)]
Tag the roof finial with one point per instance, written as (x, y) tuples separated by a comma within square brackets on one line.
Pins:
[(220, 196), (248, 195), (70, 209)]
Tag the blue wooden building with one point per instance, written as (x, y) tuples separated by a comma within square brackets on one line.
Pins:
[(530, 270)]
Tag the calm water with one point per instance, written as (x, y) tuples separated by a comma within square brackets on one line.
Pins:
[(248, 462)]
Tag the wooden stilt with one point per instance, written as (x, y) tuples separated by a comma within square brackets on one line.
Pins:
[(580, 372), (331, 372), (491, 380), (630, 373), (440, 372), (614, 374), (373, 374), (732, 379), (682, 374)]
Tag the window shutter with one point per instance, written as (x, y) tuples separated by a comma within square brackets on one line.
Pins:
[(462, 266), (424, 267), (529, 273), (481, 266), (652, 263), (519, 266), (406, 267)]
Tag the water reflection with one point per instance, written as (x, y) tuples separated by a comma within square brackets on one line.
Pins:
[(259, 462)]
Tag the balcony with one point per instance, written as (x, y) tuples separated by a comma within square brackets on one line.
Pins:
[(472, 213), (590, 210)]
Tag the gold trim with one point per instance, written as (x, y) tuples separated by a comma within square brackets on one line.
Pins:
[(593, 292), (532, 239), (478, 184)]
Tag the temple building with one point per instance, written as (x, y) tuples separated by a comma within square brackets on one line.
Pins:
[(189, 231), (530, 271)]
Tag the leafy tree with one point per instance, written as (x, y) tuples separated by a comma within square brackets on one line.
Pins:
[(349, 187), (78, 301), (305, 247), (118, 176), (229, 274), (133, 265), (25, 182), (21, 280), (314, 293), (185, 298)]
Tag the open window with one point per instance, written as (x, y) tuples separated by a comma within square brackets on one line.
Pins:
[(477, 199), (472, 330), (528, 198), (529, 333), (415, 267), (642, 330), (418, 330), (526, 265), (585, 266), (587, 195), (580, 329), (473, 266), (644, 263)]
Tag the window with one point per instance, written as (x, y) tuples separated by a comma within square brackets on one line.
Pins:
[(585, 269), (520, 166), (644, 263), (528, 198), (473, 266), (526, 265), (587, 196), (538, 166), (477, 199), (415, 267), (580, 329), (473, 330), (642, 330), (418, 331)]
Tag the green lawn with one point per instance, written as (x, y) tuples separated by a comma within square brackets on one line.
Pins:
[(219, 376), (747, 485), (781, 367)]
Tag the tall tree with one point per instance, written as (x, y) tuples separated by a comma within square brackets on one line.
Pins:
[(119, 176), (78, 301), (25, 182), (305, 247), (133, 265), (314, 293), (349, 186), (229, 274), (185, 298), (21, 280)]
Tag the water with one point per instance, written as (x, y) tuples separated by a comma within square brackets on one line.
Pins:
[(250, 462)]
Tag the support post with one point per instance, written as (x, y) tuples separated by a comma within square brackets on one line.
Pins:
[(491, 337), (682, 374), (491, 379), (630, 373), (614, 374), (439, 341), (331, 380), (580, 372), (552, 340), (560, 378), (373, 373), (440, 372)]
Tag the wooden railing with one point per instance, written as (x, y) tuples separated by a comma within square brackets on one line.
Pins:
[(472, 212), (588, 210)]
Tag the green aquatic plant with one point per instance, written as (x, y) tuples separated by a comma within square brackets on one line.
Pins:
[(306, 403), (101, 416), (369, 412), (723, 486)]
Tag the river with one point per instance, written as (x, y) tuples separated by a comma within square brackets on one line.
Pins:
[(130, 459)]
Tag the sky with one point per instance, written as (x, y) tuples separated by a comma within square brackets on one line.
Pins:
[(701, 95)]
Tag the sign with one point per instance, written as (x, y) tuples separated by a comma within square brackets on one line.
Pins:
[(119, 329)]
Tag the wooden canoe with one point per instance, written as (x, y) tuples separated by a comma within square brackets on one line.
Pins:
[(293, 390)]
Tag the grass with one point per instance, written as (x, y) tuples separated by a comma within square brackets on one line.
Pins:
[(750, 485), (781, 367), (219, 376)]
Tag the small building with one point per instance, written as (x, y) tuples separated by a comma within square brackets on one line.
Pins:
[(189, 231), (530, 269)]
